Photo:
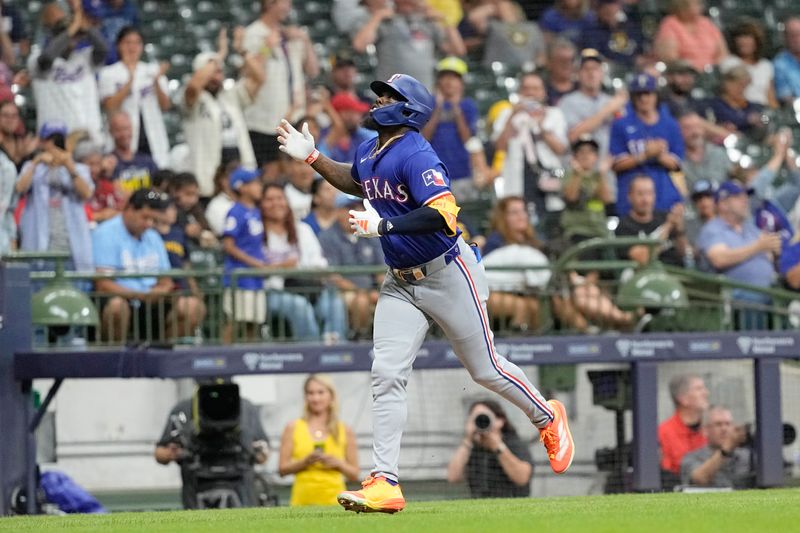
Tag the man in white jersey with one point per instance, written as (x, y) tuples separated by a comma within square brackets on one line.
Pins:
[(63, 72)]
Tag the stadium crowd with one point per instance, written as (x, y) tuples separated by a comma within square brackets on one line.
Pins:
[(683, 131)]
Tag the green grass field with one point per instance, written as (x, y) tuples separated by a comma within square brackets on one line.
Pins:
[(773, 511)]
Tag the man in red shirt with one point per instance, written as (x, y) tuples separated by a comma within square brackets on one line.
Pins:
[(682, 433)]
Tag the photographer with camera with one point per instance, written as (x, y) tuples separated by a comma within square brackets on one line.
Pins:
[(492, 457), (318, 448), (723, 463), (216, 437)]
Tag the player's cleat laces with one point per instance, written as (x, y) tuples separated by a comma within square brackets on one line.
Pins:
[(376, 496), (557, 439)]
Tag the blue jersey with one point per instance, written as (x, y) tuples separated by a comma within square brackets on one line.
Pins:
[(628, 136), (244, 225), (405, 176)]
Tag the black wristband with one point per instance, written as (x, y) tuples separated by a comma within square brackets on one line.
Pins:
[(382, 227)]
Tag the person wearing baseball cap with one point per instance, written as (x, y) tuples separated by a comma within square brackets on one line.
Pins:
[(735, 247), (614, 33), (588, 110), (346, 134), (453, 123), (647, 140), (343, 78), (704, 208), (214, 122)]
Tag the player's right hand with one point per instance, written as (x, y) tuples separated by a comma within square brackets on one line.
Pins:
[(298, 145)]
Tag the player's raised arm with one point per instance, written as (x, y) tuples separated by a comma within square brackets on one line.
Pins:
[(300, 145)]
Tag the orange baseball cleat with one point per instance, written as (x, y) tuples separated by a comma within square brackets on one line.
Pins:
[(376, 496), (557, 438)]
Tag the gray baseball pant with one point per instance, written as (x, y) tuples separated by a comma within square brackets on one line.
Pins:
[(455, 298)]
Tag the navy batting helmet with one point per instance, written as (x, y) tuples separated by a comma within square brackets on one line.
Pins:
[(416, 106)]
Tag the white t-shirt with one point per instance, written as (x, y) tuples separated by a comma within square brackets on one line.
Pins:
[(278, 249), (216, 212), (142, 101), (67, 93), (522, 146), (284, 79), (299, 201)]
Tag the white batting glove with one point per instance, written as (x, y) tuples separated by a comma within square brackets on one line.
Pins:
[(365, 223), (298, 145)]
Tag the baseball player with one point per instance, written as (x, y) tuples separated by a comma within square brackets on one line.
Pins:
[(433, 275)]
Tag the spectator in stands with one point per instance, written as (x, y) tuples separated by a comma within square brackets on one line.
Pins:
[(588, 110), (747, 48), (342, 141), (350, 15), (214, 122), (643, 220), (341, 249), (140, 90), (492, 458), (408, 39), (721, 463), (534, 137), (510, 299), (128, 243), (731, 108), (180, 430), (161, 179), (108, 198), (682, 433), (300, 176), (688, 34), (56, 190), (586, 193), (703, 210), (647, 140), (8, 196), (343, 78), (222, 201), (789, 264), (14, 27), (735, 247), (560, 70), (14, 141), (681, 78), (453, 123), (291, 243), (287, 56), (616, 33), (318, 448), (761, 182), (496, 30), (114, 16), (190, 215), (567, 19), (63, 73), (787, 63), (134, 170), (702, 160), (323, 214), (243, 245)]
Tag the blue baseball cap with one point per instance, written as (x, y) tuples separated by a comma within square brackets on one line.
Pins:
[(242, 175), (728, 189), (52, 127), (702, 188), (94, 8), (643, 83)]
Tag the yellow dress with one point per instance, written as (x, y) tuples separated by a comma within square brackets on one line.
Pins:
[(317, 485)]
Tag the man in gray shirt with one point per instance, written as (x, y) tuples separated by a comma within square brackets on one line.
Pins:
[(589, 110), (702, 160), (407, 39), (721, 463)]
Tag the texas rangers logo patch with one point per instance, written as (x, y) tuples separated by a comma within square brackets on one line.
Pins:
[(433, 177)]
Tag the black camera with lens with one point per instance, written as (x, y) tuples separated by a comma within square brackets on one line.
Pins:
[(483, 422)]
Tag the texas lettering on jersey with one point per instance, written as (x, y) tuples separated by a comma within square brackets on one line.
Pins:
[(381, 189)]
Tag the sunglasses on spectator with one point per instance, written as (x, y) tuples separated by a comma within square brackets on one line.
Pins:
[(153, 199)]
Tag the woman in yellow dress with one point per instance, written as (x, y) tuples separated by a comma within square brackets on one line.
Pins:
[(318, 448)]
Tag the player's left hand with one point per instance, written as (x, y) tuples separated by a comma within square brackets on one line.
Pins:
[(365, 223)]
